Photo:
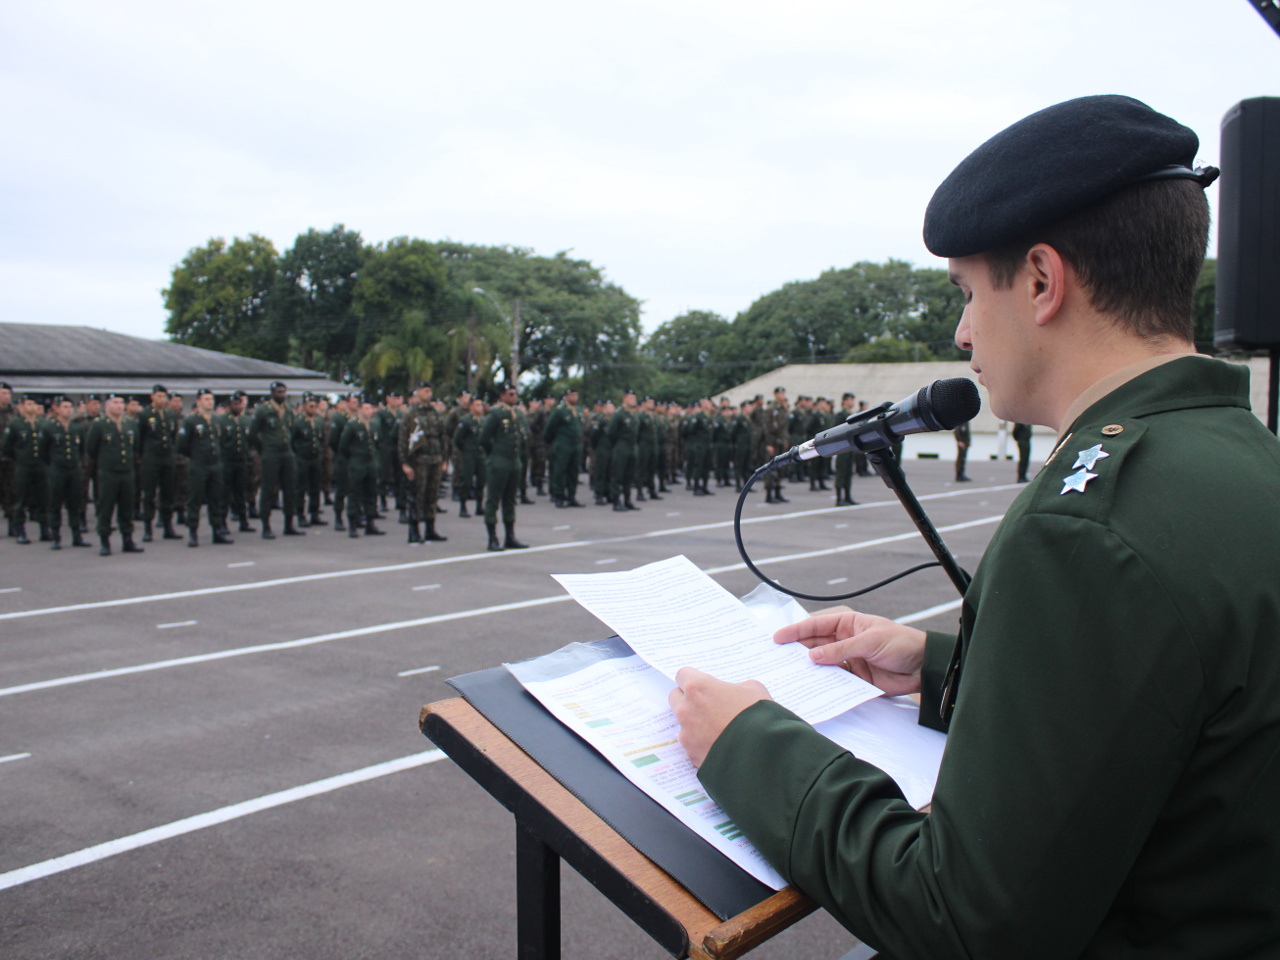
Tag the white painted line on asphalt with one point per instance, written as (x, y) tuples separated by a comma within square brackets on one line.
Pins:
[(14, 756), (564, 526), (180, 623), (284, 645), (410, 673), (674, 513), (11, 590), (200, 821), (468, 557), (243, 563), (841, 526), (601, 563), (930, 612), (832, 583), (428, 586)]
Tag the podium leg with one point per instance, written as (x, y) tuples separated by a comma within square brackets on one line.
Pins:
[(537, 898)]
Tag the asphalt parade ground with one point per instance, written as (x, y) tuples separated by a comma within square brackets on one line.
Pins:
[(214, 753)]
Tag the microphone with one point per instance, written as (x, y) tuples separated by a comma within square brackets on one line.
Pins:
[(943, 405)]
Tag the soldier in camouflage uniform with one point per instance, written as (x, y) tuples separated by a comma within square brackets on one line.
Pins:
[(422, 452), (113, 444), (538, 413), (200, 443), (63, 449)]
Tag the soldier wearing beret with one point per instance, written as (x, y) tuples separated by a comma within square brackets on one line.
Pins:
[(7, 413), (234, 458), (343, 412), (501, 442), (777, 420), (563, 434), (390, 476), (200, 443), (308, 442), (845, 461), (422, 455), (623, 430), (271, 432), (113, 445), (1022, 437), (23, 444), (157, 437), (1112, 772), (62, 447), (359, 447)]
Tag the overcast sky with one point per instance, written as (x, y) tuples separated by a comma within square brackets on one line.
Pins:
[(701, 153)]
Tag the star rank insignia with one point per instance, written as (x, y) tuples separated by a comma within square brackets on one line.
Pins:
[(1087, 458), (1077, 481)]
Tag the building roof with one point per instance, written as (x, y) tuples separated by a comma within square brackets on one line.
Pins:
[(47, 358)]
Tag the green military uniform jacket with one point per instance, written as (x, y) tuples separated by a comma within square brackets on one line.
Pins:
[(24, 443), (271, 429), (62, 448), (500, 437), (308, 437), (235, 437), (200, 441), (115, 449), (157, 433), (1111, 781), (359, 445), (563, 428)]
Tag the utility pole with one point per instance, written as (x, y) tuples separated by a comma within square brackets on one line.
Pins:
[(515, 344)]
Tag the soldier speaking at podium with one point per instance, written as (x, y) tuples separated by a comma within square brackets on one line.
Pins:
[(1111, 779)]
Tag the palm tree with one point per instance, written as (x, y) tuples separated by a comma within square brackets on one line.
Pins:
[(406, 350)]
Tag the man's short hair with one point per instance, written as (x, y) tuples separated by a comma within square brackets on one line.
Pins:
[(1138, 253)]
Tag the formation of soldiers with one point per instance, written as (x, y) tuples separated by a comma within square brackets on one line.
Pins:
[(151, 462)]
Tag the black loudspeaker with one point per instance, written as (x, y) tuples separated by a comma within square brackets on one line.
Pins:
[(1247, 312)]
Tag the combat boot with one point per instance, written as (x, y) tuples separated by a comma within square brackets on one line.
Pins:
[(415, 534), (169, 532), (511, 542), (105, 549), (524, 498), (222, 536), (303, 522), (192, 539), (337, 521), (245, 526), (77, 537), (317, 520), (21, 532), (146, 531), (57, 539), (653, 495), (289, 529), (266, 529), (371, 530), (462, 511), (353, 528), (627, 504), (431, 535), (129, 545), (639, 496), (494, 545), (45, 533), (619, 507)]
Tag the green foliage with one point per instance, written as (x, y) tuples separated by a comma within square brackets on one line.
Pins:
[(890, 349), (313, 299), (218, 295), (404, 355), (693, 353)]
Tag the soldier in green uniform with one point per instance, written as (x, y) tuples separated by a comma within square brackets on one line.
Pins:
[(63, 448), (390, 476), (468, 460), (7, 413), (658, 411), (526, 442), (113, 445), (308, 443), (271, 432), (501, 442), (460, 409), (563, 434), (601, 451), (776, 437), (845, 461), (157, 435), (538, 414), (23, 444), (623, 428), (722, 445), (343, 412), (422, 453), (1022, 437), (180, 465), (963, 439), (82, 421), (1112, 770), (359, 448), (743, 443), (200, 442), (820, 418), (234, 458), (697, 441)]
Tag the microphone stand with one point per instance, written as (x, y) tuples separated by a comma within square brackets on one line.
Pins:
[(887, 467)]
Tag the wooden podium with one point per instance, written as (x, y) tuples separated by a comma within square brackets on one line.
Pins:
[(553, 825)]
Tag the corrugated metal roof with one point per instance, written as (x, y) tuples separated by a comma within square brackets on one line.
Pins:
[(76, 360), (37, 349)]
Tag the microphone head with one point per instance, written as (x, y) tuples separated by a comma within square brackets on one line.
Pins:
[(949, 403)]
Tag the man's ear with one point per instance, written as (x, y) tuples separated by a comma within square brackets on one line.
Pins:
[(1046, 278)]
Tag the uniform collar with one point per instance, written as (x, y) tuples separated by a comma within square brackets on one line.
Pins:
[(1113, 381)]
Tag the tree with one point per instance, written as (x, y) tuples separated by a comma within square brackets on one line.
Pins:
[(1204, 305), (312, 300), (218, 295), (690, 352), (402, 275), (408, 350)]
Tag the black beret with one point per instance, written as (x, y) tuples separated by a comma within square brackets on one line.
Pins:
[(92, 396), (779, 389), (395, 393), (239, 395), (1053, 163), (277, 383), (159, 388), (4, 386), (202, 391), (424, 383)]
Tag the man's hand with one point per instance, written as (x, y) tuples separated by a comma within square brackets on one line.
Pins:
[(408, 470), (704, 706), (878, 650)]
